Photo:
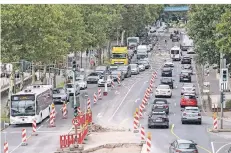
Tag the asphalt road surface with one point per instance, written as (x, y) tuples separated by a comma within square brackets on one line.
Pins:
[(116, 110)]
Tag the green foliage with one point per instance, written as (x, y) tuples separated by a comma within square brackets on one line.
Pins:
[(44, 33), (228, 104), (208, 26)]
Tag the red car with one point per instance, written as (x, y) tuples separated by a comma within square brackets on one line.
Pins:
[(188, 100)]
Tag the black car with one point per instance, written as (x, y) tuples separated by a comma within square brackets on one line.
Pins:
[(168, 81), (185, 77), (186, 60), (162, 102), (126, 69), (160, 120), (166, 72)]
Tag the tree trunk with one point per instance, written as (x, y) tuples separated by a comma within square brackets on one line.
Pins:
[(99, 56), (33, 72)]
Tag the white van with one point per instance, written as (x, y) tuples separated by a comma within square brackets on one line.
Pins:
[(175, 53)]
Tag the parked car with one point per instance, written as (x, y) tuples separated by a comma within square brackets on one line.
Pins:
[(188, 100), (180, 145), (191, 115), (59, 95)]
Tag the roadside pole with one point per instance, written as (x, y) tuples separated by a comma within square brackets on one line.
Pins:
[(33, 73), (222, 65)]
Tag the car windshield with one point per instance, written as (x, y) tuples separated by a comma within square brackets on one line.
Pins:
[(187, 146), (133, 66), (163, 87), (175, 51), (189, 97), (123, 68), (160, 102), (69, 86), (166, 69), (132, 40), (184, 73), (191, 110), (93, 74), (23, 108), (158, 109), (165, 80)]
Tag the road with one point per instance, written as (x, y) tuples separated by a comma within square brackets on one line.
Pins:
[(116, 110)]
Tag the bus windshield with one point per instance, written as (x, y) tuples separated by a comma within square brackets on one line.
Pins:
[(175, 51), (119, 56), (23, 108)]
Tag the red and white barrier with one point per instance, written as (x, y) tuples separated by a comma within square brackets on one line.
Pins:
[(112, 85), (79, 110), (95, 98), (34, 128), (215, 123), (24, 138), (140, 112), (6, 149), (142, 134), (64, 111), (154, 74), (118, 79), (149, 142), (99, 94), (142, 106), (88, 103), (145, 100), (51, 121), (53, 112), (147, 94)]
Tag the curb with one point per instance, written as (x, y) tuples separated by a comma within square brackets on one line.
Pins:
[(219, 130), (144, 148)]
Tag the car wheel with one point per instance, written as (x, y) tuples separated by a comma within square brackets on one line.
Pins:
[(199, 122), (182, 122), (167, 126)]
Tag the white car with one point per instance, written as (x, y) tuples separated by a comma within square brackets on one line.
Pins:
[(70, 88), (82, 83), (141, 67), (168, 64), (190, 51), (101, 82), (188, 88), (163, 91)]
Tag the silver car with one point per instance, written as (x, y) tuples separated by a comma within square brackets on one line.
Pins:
[(70, 89), (191, 115), (59, 95), (93, 78), (188, 88), (187, 68), (183, 146), (135, 68)]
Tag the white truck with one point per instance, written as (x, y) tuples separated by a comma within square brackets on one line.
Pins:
[(175, 53), (133, 41), (186, 42), (142, 52)]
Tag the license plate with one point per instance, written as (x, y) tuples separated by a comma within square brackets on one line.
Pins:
[(158, 120)]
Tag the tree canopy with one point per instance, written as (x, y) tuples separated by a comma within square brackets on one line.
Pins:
[(44, 33), (210, 28)]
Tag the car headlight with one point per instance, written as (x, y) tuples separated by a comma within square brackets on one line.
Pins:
[(169, 91)]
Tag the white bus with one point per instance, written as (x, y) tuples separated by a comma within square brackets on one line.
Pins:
[(175, 53), (32, 103)]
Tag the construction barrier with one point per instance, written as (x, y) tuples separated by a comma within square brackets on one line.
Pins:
[(51, 121), (136, 121), (34, 128), (24, 138), (6, 149), (99, 94), (67, 140), (112, 85), (140, 112), (149, 142), (64, 111), (118, 79), (142, 134), (53, 110), (95, 98), (215, 122), (88, 103)]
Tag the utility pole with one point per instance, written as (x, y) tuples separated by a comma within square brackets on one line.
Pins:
[(81, 59), (221, 87)]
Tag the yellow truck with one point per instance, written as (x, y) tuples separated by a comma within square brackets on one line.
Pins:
[(119, 56)]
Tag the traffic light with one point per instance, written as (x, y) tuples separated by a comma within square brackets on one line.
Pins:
[(75, 111), (224, 73), (74, 65), (222, 97)]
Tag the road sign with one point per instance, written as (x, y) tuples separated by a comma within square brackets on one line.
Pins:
[(224, 80), (76, 121)]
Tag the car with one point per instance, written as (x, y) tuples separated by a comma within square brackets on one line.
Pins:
[(59, 95), (188, 88), (185, 77), (101, 82), (160, 120), (163, 91), (166, 72), (69, 87), (117, 73), (93, 77), (82, 83), (187, 68), (186, 60), (126, 69), (102, 69), (141, 67), (181, 146), (168, 64), (145, 62), (135, 69), (191, 115), (168, 81), (113, 67), (188, 100), (229, 151), (191, 51), (175, 38), (162, 102)]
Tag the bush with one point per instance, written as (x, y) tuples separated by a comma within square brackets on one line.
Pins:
[(228, 104)]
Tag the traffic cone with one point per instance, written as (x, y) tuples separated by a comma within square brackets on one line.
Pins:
[(95, 98), (118, 80), (51, 121), (142, 133), (88, 103), (6, 149), (64, 111), (99, 94), (24, 138), (34, 128), (149, 142)]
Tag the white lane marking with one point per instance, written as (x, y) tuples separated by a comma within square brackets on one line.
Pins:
[(175, 104), (99, 115), (218, 150), (137, 100), (212, 146), (122, 101)]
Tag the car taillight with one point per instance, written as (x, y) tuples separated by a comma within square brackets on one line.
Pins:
[(178, 151), (166, 106), (199, 114), (184, 114), (195, 151)]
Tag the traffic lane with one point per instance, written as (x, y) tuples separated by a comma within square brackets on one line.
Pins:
[(221, 147)]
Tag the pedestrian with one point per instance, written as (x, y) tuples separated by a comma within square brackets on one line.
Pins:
[(87, 52)]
